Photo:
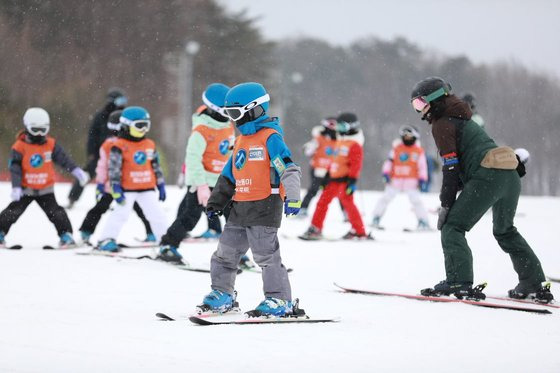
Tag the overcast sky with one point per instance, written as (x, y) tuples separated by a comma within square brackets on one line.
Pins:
[(525, 31)]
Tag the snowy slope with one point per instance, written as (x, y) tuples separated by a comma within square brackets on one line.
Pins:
[(60, 312)]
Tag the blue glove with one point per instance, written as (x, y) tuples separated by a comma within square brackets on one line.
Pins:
[(423, 185), (161, 189), (211, 213), (117, 193), (351, 187), (99, 192), (292, 207), (386, 178)]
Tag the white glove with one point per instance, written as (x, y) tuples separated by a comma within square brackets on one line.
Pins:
[(81, 175), (17, 193), (203, 194), (523, 155)]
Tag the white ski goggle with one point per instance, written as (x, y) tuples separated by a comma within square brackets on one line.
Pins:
[(237, 112), (141, 125), (214, 107), (38, 130)]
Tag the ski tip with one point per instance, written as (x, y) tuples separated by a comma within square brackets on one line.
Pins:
[(49, 247), (15, 247), (164, 317)]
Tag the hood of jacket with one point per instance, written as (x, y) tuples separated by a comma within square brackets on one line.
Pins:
[(453, 107)]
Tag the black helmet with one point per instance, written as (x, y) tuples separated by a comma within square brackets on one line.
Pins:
[(430, 89), (347, 123), (117, 97), (469, 99)]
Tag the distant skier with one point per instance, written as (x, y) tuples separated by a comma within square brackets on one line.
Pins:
[(208, 149), (32, 171), (134, 173), (97, 134), (321, 149), (103, 190), (344, 172), (405, 170), (490, 179), (259, 178), (470, 99)]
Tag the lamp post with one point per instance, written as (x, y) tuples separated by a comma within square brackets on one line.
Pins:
[(185, 106)]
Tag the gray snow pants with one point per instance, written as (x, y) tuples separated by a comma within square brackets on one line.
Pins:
[(263, 241)]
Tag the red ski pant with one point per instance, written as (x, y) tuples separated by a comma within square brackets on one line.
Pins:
[(332, 190)]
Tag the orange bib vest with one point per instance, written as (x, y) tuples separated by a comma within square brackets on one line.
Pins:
[(255, 177), (218, 143), (405, 163), (340, 165), (325, 152), (137, 170), (36, 165)]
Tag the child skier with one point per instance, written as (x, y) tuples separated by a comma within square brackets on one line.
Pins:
[(405, 170), (259, 177), (344, 172), (321, 150), (491, 178), (134, 172), (32, 172), (208, 150), (103, 190)]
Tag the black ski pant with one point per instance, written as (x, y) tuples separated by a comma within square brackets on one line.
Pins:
[(187, 220), (56, 214), (77, 190), (94, 215), (316, 183)]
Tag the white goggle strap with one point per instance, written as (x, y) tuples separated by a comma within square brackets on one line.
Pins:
[(212, 106)]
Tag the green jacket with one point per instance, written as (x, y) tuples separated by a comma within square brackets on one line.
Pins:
[(195, 173)]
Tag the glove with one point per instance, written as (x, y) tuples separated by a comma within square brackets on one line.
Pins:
[(351, 187), (17, 193), (211, 213), (161, 190), (99, 192), (81, 175), (292, 207), (203, 194), (442, 216), (423, 185), (117, 193), (386, 178)]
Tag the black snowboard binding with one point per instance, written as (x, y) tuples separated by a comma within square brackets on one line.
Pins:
[(459, 290), (541, 295)]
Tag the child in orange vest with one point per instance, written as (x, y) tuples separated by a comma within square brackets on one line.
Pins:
[(134, 173), (102, 192), (32, 171), (406, 170), (344, 172), (207, 152), (259, 178)]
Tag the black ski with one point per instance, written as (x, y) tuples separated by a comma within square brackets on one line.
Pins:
[(444, 299)]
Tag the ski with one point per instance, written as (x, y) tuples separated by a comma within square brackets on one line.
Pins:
[(244, 320), (257, 269), (164, 317), (13, 247), (446, 300), (525, 301), (414, 230), (553, 279)]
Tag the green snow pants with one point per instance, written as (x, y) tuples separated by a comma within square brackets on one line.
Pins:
[(487, 188)]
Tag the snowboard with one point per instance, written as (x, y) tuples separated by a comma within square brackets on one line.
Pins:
[(445, 299)]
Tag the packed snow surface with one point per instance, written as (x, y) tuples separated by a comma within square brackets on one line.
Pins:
[(62, 312)]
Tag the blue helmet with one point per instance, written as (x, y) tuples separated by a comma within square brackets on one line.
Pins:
[(214, 96), (246, 102), (137, 120)]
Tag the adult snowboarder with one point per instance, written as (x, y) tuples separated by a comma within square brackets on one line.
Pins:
[(259, 178), (489, 177)]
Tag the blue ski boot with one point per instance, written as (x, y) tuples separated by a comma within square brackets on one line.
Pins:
[(168, 253), (273, 307), (210, 234), (66, 241), (245, 263), (423, 225), (150, 237), (217, 302), (85, 237), (2, 239), (108, 245)]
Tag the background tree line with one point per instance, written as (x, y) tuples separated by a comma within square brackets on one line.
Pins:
[(64, 55)]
